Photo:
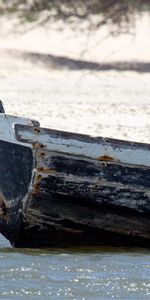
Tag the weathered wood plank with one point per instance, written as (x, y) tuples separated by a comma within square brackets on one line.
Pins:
[(86, 188), (16, 165), (16, 172), (75, 198), (57, 220), (7, 124), (98, 148), (93, 171)]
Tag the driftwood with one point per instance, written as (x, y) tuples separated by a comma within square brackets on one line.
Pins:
[(66, 189)]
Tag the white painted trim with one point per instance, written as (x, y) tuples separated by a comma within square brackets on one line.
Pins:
[(7, 128), (94, 150)]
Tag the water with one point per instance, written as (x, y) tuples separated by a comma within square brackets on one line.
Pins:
[(94, 273), (110, 104)]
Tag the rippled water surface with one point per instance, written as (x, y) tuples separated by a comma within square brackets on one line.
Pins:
[(94, 273), (109, 104)]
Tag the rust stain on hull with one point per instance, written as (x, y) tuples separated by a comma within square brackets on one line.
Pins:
[(36, 188), (37, 145), (45, 170), (106, 158)]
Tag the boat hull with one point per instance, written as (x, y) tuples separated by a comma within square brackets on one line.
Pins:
[(81, 194), (62, 189)]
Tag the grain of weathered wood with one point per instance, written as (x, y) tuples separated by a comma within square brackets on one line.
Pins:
[(81, 190), (16, 164), (86, 188), (83, 145)]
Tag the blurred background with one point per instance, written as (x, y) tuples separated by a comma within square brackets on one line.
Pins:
[(78, 66)]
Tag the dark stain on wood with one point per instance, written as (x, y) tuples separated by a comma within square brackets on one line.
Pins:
[(15, 176), (76, 200), (84, 202), (95, 171), (15, 170)]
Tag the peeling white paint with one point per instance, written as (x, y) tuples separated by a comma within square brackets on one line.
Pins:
[(124, 152), (7, 128)]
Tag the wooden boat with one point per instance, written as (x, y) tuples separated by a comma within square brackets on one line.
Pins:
[(66, 189)]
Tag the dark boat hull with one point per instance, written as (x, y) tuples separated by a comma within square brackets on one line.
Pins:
[(80, 190)]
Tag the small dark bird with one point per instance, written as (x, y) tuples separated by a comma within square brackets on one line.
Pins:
[(1, 107)]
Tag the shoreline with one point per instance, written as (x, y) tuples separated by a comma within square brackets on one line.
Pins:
[(56, 62)]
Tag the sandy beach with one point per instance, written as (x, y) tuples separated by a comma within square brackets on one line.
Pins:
[(77, 41), (71, 80)]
